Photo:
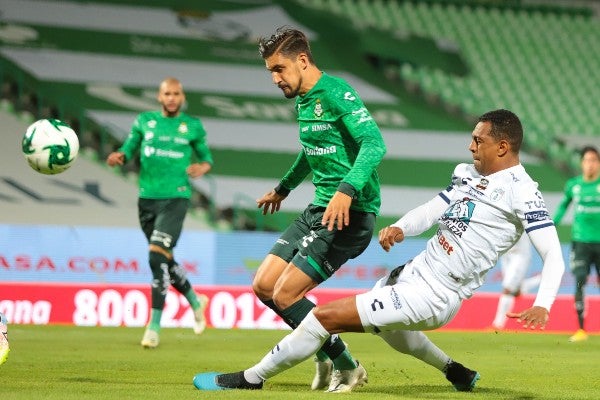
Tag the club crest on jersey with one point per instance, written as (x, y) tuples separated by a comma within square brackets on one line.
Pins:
[(483, 183), (152, 124), (318, 111), (497, 194), (183, 128)]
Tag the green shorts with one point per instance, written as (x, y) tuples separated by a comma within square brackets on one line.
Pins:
[(583, 256), (162, 220), (319, 252)]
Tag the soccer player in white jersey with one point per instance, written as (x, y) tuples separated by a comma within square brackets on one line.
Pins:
[(514, 264), (479, 216)]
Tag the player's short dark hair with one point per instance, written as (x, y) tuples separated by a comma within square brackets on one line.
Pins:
[(505, 126), (589, 149), (288, 41)]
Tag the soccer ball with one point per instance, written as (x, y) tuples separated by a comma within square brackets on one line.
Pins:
[(50, 146)]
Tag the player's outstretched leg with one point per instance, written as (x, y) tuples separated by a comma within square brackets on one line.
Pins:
[(4, 349), (218, 381)]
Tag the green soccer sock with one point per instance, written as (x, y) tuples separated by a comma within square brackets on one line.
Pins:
[(155, 317), (192, 298), (344, 360)]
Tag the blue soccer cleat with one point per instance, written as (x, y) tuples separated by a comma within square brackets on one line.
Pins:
[(218, 381)]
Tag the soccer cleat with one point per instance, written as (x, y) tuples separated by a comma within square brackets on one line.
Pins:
[(199, 320), (150, 339), (343, 381), (579, 336), (323, 374), (217, 381), (463, 379), (4, 349)]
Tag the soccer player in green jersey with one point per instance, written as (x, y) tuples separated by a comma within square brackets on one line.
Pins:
[(166, 140), (584, 192), (342, 147)]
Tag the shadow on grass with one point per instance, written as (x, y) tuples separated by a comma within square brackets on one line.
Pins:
[(418, 391)]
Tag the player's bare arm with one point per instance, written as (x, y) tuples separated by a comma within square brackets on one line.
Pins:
[(533, 317), (196, 170), (389, 236), (115, 158), (270, 202), (337, 212)]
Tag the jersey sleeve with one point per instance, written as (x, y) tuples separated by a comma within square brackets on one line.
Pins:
[(363, 129), (530, 208), (562, 207), (134, 139), (200, 146), (295, 175)]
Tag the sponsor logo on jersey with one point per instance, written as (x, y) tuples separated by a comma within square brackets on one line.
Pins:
[(458, 216), (497, 194), (321, 127), (444, 243), (319, 151), (483, 183), (363, 115), (150, 151), (395, 299), (536, 216), (349, 96)]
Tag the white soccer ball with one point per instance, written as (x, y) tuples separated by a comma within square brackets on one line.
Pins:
[(50, 146)]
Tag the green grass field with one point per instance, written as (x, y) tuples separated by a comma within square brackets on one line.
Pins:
[(64, 362)]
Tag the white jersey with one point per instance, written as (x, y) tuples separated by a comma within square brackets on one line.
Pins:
[(485, 216)]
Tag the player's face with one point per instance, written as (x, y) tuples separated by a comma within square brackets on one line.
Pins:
[(590, 165), (484, 148), (286, 73), (171, 97)]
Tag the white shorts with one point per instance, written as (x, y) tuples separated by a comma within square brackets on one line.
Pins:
[(410, 304)]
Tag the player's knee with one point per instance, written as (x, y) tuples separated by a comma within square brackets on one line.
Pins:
[(262, 290)]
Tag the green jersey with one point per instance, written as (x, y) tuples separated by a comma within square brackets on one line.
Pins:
[(166, 145), (586, 218), (341, 145)]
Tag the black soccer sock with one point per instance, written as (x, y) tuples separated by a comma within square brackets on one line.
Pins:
[(579, 303), (178, 278), (159, 265)]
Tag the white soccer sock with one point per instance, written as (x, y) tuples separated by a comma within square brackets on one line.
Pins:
[(418, 345), (505, 304), (296, 347)]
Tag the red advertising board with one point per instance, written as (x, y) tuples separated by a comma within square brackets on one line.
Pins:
[(230, 307)]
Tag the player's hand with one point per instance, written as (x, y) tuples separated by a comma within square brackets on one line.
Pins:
[(533, 317), (115, 158), (389, 236), (196, 170), (337, 212), (270, 202)]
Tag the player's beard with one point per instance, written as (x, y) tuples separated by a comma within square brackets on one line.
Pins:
[(290, 92), (171, 111)]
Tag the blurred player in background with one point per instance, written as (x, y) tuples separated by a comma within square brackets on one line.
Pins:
[(166, 140), (4, 348), (481, 214), (514, 264), (342, 147), (584, 192)]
